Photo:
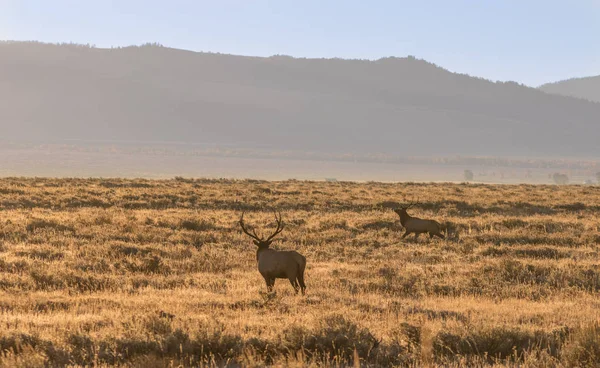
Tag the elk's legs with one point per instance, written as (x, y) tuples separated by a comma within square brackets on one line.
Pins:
[(405, 234), (270, 283), (294, 284), (431, 235), (301, 282)]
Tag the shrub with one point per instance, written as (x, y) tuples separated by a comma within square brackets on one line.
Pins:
[(81, 349), (378, 225), (154, 264), (514, 223), (541, 253), (196, 225), (583, 348), (157, 324), (560, 179), (499, 343), (47, 224), (29, 351), (27, 357), (335, 337)]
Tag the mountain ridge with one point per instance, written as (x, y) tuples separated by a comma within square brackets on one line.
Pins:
[(390, 105)]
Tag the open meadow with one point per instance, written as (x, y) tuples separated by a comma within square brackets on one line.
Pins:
[(158, 273)]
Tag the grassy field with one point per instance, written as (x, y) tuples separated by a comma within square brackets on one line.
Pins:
[(158, 273)]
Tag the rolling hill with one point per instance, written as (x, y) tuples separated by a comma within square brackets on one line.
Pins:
[(401, 106), (587, 88)]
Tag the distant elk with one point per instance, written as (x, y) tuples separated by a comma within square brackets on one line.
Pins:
[(417, 226), (277, 264)]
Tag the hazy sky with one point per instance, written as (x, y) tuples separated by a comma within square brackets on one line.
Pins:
[(530, 41)]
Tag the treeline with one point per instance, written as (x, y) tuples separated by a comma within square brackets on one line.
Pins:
[(75, 44), (190, 150)]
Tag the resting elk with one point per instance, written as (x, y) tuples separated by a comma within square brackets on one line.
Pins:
[(277, 264), (417, 226)]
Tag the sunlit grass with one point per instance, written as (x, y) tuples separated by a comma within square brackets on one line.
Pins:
[(153, 273)]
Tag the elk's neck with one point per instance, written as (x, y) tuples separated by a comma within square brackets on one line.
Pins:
[(404, 217), (259, 251)]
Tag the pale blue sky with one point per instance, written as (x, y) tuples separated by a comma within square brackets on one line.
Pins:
[(529, 41)]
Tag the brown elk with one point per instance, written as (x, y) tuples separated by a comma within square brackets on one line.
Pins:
[(417, 226), (277, 264)]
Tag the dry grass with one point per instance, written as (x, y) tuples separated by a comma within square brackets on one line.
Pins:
[(157, 273)]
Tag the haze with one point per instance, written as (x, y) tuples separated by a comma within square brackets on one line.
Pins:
[(378, 91)]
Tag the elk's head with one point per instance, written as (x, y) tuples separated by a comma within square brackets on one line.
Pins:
[(258, 240), (401, 210)]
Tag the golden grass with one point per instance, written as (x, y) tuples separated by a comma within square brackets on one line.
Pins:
[(157, 273)]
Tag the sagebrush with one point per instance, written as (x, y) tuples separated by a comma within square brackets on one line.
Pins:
[(157, 273)]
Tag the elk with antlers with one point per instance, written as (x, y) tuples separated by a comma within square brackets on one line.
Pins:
[(417, 226), (277, 264)]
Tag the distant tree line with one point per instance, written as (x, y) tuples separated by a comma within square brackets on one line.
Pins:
[(560, 179), (77, 45)]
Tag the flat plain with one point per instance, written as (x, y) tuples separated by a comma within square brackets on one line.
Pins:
[(154, 273), (161, 162)]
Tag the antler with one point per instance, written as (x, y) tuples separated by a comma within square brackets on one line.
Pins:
[(280, 227), (413, 203), (253, 235), (410, 205)]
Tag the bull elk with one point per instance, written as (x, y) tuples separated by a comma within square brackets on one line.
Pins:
[(277, 264), (417, 226)]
